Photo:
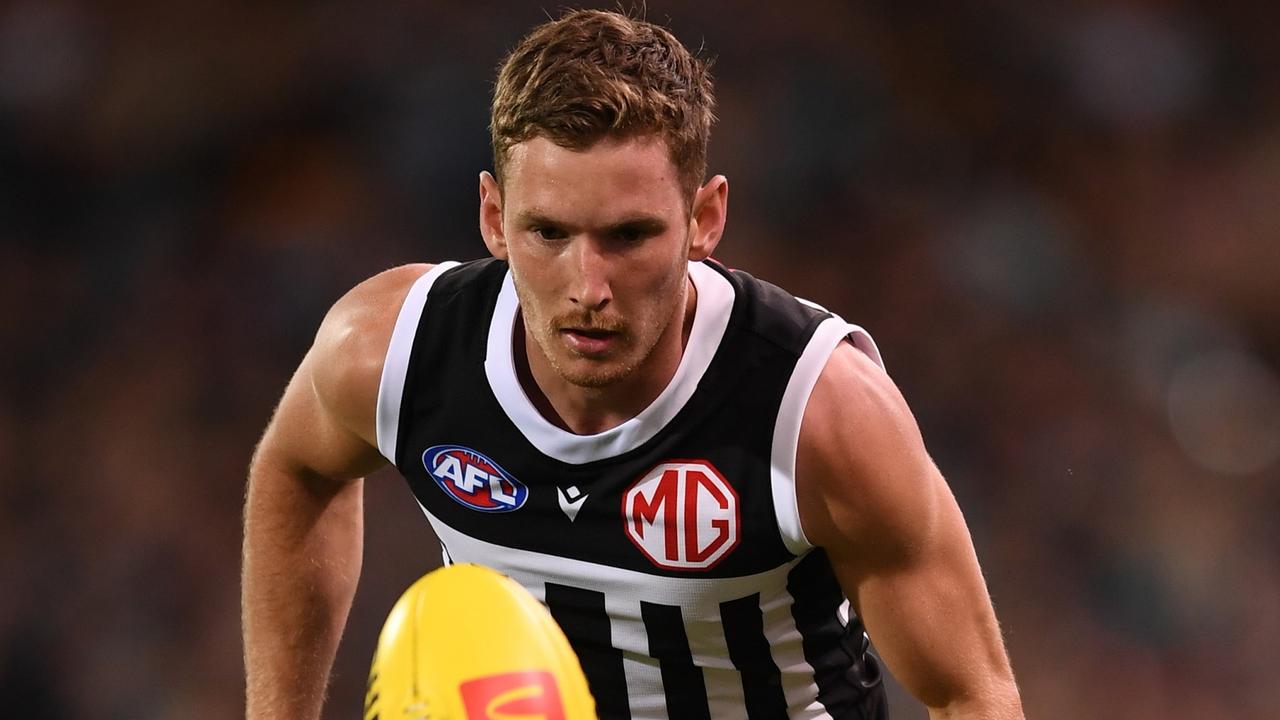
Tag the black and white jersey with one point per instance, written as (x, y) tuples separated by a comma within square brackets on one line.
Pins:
[(669, 548)]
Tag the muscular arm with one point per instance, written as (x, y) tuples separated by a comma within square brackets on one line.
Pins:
[(303, 525), (869, 494)]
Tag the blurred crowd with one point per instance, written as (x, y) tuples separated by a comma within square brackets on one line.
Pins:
[(1061, 222)]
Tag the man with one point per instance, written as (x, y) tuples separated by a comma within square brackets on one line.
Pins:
[(691, 468)]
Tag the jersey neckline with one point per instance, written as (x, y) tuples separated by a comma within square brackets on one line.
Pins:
[(710, 320)]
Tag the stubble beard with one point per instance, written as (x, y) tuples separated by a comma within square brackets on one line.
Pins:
[(590, 373), (636, 343)]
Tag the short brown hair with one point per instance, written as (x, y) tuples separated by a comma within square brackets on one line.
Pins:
[(592, 74)]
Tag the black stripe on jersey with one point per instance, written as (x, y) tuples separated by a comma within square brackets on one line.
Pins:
[(683, 682), (749, 650), (848, 678), (582, 616)]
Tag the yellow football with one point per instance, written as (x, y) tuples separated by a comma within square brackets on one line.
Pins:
[(467, 643)]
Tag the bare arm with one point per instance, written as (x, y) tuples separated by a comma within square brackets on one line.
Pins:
[(870, 495), (303, 524)]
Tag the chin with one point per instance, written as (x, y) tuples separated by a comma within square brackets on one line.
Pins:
[(594, 375)]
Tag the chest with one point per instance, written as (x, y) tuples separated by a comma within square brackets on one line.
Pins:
[(687, 505)]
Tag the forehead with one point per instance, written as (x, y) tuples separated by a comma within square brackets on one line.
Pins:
[(612, 178)]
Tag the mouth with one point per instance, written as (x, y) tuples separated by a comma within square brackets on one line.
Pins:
[(589, 341)]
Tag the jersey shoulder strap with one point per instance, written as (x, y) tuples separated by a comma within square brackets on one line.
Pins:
[(440, 286), (810, 333)]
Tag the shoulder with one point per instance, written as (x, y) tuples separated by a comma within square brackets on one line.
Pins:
[(350, 347), (864, 478), (770, 312)]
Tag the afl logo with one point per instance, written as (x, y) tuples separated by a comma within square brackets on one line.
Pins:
[(683, 515), (474, 480)]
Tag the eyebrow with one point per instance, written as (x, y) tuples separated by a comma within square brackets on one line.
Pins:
[(641, 223), (531, 218)]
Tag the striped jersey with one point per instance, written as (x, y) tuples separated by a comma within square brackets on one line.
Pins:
[(668, 548)]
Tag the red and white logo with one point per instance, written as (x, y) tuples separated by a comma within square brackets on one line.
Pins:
[(521, 695), (682, 514)]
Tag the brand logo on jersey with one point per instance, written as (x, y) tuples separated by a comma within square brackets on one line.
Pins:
[(527, 695), (473, 479), (682, 515), (571, 499)]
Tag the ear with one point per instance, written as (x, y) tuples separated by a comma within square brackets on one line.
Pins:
[(706, 222), (491, 216)]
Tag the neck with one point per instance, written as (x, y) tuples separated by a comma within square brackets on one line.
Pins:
[(587, 410)]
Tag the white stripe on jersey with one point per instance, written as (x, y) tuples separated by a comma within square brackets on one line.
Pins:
[(786, 432), (788, 653), (396, 366), (644, 676)]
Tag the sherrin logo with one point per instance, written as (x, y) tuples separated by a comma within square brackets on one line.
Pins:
[(682, 514), (474, 480), (521, 695)]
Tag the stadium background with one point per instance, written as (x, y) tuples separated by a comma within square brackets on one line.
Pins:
[(1060, 220)]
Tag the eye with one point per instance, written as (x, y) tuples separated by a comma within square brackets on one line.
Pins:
[(548, 233), (635, 234), (629, 236)]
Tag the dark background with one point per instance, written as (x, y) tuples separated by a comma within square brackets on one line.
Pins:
[(1061, 221)]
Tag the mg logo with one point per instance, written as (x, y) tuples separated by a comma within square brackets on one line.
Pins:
[(683, 515)]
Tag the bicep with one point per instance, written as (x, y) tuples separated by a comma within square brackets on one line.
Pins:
[(928, 609), (872, 498)]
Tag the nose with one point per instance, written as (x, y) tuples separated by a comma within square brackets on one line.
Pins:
[(592, 268)]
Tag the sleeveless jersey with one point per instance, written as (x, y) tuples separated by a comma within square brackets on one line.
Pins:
[(669, 548)]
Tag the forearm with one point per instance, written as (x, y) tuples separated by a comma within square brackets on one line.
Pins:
[(999, 700), (999, 703), (302, 552)]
